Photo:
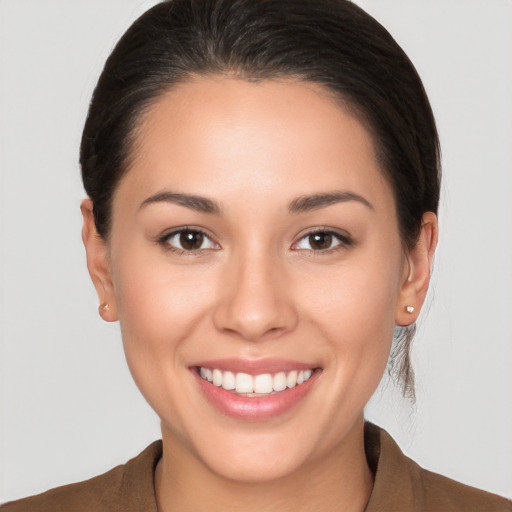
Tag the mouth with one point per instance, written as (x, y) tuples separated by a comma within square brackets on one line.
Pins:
[(254, 386), (255, 392)]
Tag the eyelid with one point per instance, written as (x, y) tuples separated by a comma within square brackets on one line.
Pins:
[(345, 239), (166, 235)]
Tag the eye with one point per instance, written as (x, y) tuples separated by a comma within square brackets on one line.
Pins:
[(322, 241), (188, 240)]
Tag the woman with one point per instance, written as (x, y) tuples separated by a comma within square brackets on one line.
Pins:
[(263, 181)]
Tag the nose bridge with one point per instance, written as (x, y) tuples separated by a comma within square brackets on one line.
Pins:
[(254, 299)]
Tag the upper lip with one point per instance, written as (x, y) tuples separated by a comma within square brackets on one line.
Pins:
[(254, 367)]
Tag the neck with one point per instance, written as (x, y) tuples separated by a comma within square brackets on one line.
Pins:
[(340, 480)]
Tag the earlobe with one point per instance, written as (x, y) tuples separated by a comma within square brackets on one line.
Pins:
[(417, 278), (96, 249)]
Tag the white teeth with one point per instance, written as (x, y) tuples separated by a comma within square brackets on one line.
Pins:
[(279, 381), (291, 380), (228, 381), (244, 383), (261, 384), (217, 378)]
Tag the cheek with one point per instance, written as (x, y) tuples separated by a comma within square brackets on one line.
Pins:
[(159, 306), (153, 294), (354, 300), (354, 308), (359, 324)]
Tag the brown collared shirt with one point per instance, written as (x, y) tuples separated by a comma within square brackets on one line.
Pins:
[(400, 485)]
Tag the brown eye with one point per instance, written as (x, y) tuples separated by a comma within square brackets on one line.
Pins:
[(191, 240), (320, 241), (323, 241), (188, 240)]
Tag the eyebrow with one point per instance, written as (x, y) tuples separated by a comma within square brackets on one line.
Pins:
[(317, 201), (198, 203), (299, 205)]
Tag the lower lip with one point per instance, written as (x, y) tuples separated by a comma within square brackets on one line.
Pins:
[(255, 408)]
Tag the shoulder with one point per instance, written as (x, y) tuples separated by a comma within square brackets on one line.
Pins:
[(437, 492), (128, 487), (402, 485)]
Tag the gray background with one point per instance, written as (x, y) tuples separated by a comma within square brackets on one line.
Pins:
[(68, 407)]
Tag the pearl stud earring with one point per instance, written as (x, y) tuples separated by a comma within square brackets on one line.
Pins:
[(409, 309), (104, 307)]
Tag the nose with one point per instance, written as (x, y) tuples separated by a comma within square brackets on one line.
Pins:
[(255, 301)]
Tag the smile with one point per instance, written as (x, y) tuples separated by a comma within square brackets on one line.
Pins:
[(254, 386), (255, 391)]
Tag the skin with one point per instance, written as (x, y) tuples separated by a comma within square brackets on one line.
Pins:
[(258, 289)]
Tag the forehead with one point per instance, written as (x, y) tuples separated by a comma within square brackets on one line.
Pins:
[(291, 135)]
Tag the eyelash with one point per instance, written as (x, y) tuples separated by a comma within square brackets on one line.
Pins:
[(164, 241), (344, 241)]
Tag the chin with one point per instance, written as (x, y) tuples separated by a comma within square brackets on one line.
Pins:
[(250, 454), (257, 466)]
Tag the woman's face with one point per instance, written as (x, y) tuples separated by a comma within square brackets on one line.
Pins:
[(254, 237)]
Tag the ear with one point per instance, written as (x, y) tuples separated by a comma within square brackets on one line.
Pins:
[(417, 273), (98, 263)]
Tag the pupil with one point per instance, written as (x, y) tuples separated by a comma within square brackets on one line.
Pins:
[(320, 241), (191, 240)]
